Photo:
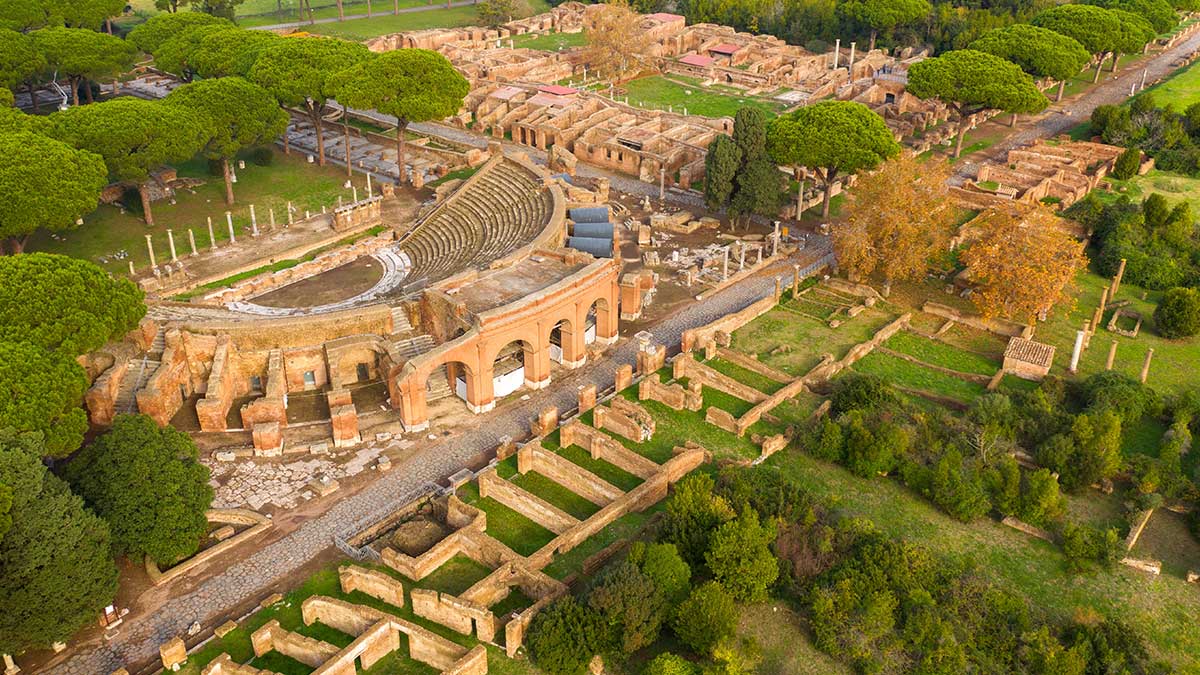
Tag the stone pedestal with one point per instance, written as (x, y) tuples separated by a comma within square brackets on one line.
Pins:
[(587, 398), (624, 376), (268, 439), (173, 653)]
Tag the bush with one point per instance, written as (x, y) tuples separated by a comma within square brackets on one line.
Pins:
[(766, 490), (828, 443), (693, 512), (631, 604), (957, 490), (669, 664), (856, 391), (1041, 501), (565, 636), (1178, 313), (1004, 486), (262, 156), (663, 565), (740, 557), (707, 618), (1085, 544), (868, 452), (1127, 164)]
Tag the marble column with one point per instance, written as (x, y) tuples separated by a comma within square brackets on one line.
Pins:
[(150, 248), (212, 239), (229, 223), (192, 241)]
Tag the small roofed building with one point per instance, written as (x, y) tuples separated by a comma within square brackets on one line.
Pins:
[(1028, 359)]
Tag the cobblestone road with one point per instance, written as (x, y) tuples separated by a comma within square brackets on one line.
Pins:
[(250, 578)]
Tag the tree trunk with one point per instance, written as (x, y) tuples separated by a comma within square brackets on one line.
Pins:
[(1099, 65), (1061, 86), (396, 7), (368, 9), (874, 34), (830, 174), (341, 11), (1013, 122), (33, 97), (400, 127), (87, 88), (74, 91), (147, 214), (108, 25), (315, 115), (228, 181), (800, 194), (346, 134), (1116, 59), (962, 133)]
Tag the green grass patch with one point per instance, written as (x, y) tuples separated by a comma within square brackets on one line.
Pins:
[(613, 475), (459, 174), (624, 527), (941, 354), (660, 93), (506, 525), (1144, 437), (677, 427), (556, 494), (912, 376), (384, 24), (804, 339), (550, 42), (744, 375), (455, 575)]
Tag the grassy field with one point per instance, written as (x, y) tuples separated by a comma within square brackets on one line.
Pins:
[(1175, 187), (1164, 607), (385, 24), (794, 344), (456, 575), (506, 525), (782, 635), (1174, 364), (1180, 90), (108, 231), (554, 493), (744, 375), (660, 93), (550, 42), (941, 354), (913, 376)]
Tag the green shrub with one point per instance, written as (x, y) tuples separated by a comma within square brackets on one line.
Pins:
[(857, 391), (958, 490), (707, 618), (1085, 544), (262, 156), (663, 565), (669, 664), (565, 636), (1041, 501), (828, 442), (740, 557), (766, 490), (1127, 164), (632, 606), (693, 512), (1178, 313)]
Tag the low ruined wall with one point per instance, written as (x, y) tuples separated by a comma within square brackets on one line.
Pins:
[(752, 364), (624, 418), (698, 338), (790, 390), (457, 614), (998, 326), (686, 365), (722, 419), (525, 503), (374, 583), (463, 517), (309, 651), (673, 396), (258, 524), (828, 369), (602, 446), (533, 457)]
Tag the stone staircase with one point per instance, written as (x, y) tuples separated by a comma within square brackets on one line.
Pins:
[(159, 344), (136, 376), (438, 384), (400, 322)]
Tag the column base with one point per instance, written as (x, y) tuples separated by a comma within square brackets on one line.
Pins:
[(482, 407), (347, 442), (538, 385), (415, 427), (607, 340), (572, 365)]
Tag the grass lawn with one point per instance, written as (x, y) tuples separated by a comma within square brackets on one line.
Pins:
[(676, 427), (744, 375), (107, 231), (1143, 438), (912, 376), (385, 24), (455, 575), (624, 527), (615, 476), (558, 495), (1168, 539), (550, 42), (1165, 607), (1175, 187), (941, 354), (1174, 365), (807, 339), (506, 525), (1180, 90), (659, 93), (782, 635)]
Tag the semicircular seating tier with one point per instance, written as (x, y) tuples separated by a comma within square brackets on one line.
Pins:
[(501, 208)]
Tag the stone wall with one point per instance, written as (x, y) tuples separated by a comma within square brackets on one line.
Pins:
[(602, 446), (721, 419), (673, 396), (461, 616), (623, 421), (533, 457), (698, 338), (997, 326), (309, 651), (686, 365), (752, 364), (790, 390), (374, 583), (525, 503)]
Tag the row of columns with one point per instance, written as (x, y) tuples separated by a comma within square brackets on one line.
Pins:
[(1084, 335), (837, 54), (212, 239)]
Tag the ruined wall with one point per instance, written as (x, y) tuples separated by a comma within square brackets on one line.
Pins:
[(374, 583), (686, 365), (533, 457), (309, 651), (673, 396), (458, 614), (602, 446), (529, 505)]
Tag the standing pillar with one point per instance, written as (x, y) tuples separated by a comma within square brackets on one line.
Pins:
[(355, 189), (229, 223), (1144, 71), (131, 272), (253, 222), (741, 258), (837, 52), (1116, 282), (212, 239), (1112, 356), (775, 241), (192, 241), (795, 280), (1103, 300), (1079, 335), (1146, 364), (150, 248), (662, 183), (760, 250), (289, 213), (271, 215), (10, 666), (369, 193), (724, 262), (171, 244), (850, 67)]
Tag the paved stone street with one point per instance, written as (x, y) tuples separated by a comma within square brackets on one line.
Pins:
[(284, 482), (249, 578)]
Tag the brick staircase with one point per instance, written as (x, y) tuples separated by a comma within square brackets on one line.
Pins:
[(438, 385), (136, 376)]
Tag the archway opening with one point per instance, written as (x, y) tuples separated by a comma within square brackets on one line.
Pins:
[(512, 365)]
